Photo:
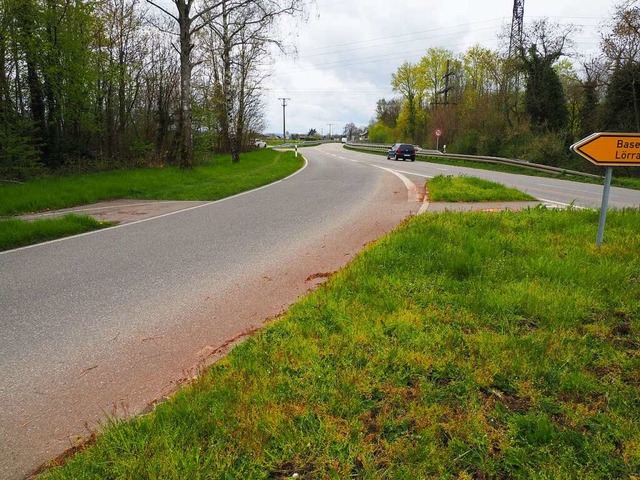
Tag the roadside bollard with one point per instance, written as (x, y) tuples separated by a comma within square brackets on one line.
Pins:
[(296, 150)]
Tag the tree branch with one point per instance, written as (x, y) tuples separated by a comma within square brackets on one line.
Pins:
[(151, 2)]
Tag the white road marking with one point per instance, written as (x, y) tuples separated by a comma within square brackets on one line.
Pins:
[(424, 207), (411, 187), (559, 187), (306, 163), (578, 207), (75, 210), (410, 173)]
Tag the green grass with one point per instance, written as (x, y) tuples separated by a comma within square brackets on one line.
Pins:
[(470, 189), (461, 346), (216, 179), (16, 233), (617, 181)]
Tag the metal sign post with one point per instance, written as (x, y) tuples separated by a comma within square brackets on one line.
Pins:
[(605, 205), (438, 134)]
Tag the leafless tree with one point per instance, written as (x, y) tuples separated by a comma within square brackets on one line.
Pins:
[(243, 36)]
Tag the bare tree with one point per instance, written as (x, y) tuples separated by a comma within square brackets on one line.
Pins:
[(621, 47), (243, 34), (190, 18)]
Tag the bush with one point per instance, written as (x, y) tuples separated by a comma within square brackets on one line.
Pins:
[(548, 149), (489, 145), (466, 143), (515, 144), (380, 133), (19, 157)]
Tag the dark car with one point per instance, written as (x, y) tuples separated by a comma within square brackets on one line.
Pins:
[(402, 151)]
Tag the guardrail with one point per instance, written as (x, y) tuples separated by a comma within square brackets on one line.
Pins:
[(312, 143), (475, 158)]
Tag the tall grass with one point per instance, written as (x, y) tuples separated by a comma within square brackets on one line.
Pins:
[(471, 189), (216, 179), (461, 346), (16, 233)]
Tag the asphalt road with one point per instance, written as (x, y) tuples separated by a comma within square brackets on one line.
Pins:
[(105, 323), (561, 192)]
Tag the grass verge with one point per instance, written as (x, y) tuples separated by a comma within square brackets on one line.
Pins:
[(624, 182), (216, 179), (470, 189), (461, 346), (16, 233)]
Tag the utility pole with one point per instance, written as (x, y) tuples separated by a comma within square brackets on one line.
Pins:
[(330, 125), (284, 124), (447, 86), (517, 21), (515, 50)]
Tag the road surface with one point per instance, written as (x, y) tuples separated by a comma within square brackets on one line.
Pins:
[(560, 192), (106, 323)]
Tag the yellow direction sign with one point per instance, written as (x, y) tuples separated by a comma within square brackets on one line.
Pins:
[(610, 149)]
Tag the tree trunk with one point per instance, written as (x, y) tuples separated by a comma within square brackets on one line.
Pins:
[(5, 99), (52, 85), (228, 87), (122, 101), (186, 136), (36, 95)]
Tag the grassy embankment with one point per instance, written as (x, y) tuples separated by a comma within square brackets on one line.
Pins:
[(16, 233), (444, 188), (215, 179), (461, 346), (617, 181)]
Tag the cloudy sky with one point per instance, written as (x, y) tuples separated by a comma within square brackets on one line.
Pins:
[(347, 50)]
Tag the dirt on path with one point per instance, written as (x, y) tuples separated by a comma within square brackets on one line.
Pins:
[(121, 211)]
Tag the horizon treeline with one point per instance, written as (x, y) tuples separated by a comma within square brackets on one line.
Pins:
[(106, 83), (530, 101)]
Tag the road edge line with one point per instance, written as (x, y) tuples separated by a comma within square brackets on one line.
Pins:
[(109, 229)]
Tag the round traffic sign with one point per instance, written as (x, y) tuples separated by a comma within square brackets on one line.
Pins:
[(438, 132)]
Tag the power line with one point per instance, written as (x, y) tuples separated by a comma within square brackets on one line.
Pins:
[(405, 34), (284, 128), (420, 35)]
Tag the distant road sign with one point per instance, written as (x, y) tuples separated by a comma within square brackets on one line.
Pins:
[(610, 149), (438, 132)]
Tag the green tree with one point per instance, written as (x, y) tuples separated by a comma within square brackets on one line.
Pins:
[(621, 47), (432, 71), (387, 111), (544, 99), (405, 81), (621, 106), (573, 89)]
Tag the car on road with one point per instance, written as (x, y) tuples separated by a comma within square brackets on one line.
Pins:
[(402, 151), (259, 143)]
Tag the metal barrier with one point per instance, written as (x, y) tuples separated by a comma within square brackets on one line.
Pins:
[(312, 143), (475, 158)]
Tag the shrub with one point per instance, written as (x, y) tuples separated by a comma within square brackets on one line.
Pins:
[(489, 145), (466, 142), (380, 133), (547, 148), (19, 157)]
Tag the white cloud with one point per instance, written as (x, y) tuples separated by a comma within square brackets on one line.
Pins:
[(347, 51)]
